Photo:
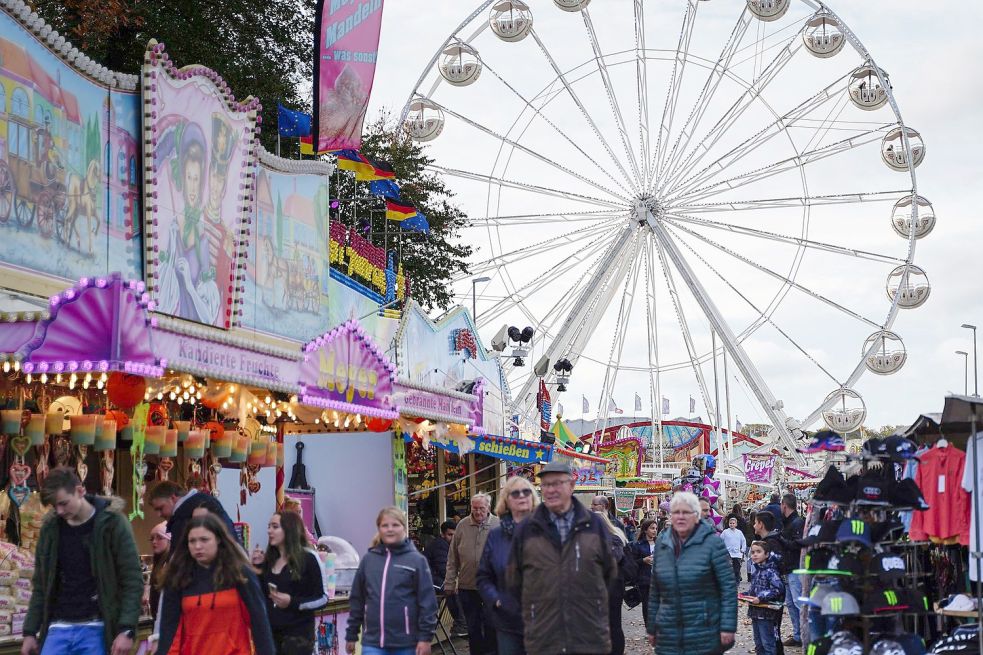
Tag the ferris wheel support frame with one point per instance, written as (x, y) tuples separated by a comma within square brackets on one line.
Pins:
[(720, 326)]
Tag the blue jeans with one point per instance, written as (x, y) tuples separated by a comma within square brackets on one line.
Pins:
[(372, 650), (510, 644), (75, 640), (793, 590), (765, 636)]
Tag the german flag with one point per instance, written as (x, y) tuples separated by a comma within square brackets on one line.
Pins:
[(353, 160), (399, 209), (307, 146), (381, 170)]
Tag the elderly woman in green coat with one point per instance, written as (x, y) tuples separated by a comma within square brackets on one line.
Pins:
[(693, 599)]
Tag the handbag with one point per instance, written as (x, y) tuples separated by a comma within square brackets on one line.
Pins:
[(633, 597)]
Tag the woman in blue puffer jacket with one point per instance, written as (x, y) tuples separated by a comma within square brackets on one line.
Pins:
[(516, 501), (392, 599)]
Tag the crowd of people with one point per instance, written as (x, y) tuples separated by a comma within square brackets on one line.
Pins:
[(539, 575)]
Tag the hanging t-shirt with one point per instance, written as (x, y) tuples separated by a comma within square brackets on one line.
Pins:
[(940, 477), (968, 484)]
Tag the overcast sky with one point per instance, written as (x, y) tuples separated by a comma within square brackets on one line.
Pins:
[(930, 56)]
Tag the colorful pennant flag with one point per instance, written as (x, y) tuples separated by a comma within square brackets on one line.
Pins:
[(638, 403), (692, 405), (545, 406), (292, 123), (665, 406), (613, 407), (585, 406)]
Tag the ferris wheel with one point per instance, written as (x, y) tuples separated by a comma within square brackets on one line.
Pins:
[(664, 189)]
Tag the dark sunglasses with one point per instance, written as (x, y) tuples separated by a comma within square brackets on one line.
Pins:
[(520, 493)]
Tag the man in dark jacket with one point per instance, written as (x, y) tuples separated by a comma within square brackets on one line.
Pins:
[(87, 579), (792, 530), (774, 507), (559, 569), (177, 505), (436, 554)]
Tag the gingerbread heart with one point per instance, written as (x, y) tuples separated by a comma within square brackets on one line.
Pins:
[(20, 445), (83, 471), (19, 473), (19, 494), (253, 487)]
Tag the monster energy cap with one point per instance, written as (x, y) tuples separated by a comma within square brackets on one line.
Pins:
[(881, 600), (818, 593), (919, 602), (826, 561), (821, 533), (840, 603), (854, 530)]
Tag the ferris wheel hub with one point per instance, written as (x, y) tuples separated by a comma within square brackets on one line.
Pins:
[(648, 209)]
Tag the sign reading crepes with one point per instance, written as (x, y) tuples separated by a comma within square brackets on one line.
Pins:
[(759, 468)]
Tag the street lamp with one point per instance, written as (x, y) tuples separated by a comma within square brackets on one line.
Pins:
[(474, 297), (976, 378), (965, 371)]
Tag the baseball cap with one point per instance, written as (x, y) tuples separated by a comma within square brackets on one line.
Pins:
[(918, 602), (871, 490), (907, 494), (854, 530), (881, 600), (819, 592), (900, 449), (826, 440), (840, 603), (887, 646), (957, 643), (845, 643), (873, 448), (886, 531), (825, 561), (832, 488), (889, 567), (555, 467), (821, 533)]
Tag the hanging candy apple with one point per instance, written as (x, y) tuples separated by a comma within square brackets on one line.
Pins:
[(122, 420), (157, 414), (125, 389)]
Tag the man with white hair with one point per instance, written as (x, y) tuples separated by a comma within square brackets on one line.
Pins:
[(462, 573)]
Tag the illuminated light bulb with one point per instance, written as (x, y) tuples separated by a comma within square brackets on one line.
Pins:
[(180, 401), (71, 384), (6, 367), (58, 379), (29, 378), (146, 396), (44, 378), (192, 400), (317, 421), (268, 400), (347, 421), (160, 396), (198, 395), (172, 396), (268, 413), (293, 399), (232, 388), (88, 377), (17, 366), (100, 384), (85, 383), (104, 377), (358, 418)]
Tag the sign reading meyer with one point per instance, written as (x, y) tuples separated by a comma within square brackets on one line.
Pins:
[(344, 370)]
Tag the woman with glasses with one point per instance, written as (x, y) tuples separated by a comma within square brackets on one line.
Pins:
[(693, 600), (516, 501)]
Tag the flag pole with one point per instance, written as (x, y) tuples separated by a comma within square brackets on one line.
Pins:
[(278, 141)]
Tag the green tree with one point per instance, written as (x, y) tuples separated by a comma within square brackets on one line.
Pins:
[(430, 261), (261, 49)]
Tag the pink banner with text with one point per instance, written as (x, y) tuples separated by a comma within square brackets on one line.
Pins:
[(759, 468), (344, 69)]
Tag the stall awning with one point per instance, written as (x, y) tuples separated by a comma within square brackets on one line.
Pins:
[(100, 324)]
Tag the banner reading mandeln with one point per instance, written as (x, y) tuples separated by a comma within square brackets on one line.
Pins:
[(759, 468), (344, 68)]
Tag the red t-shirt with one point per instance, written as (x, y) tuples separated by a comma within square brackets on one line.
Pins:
[(939, 477)]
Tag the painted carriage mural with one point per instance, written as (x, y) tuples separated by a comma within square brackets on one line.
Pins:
[(69, 169)]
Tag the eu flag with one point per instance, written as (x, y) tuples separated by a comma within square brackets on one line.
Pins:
[(292, 123), (417, 223), (386, 188)]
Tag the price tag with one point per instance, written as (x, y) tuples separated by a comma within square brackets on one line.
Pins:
[(941, 484)]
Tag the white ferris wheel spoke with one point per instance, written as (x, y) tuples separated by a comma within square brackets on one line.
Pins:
[(778, 276), (775, 128), (546, 191), (546, 219), (715, 77), (675, 84), (529, 151), (798, 241), (652, 332), (790, 201), (761, 314), (642, 79), (602, 70), (747, 99), (783, 166), (540, 247), (538, 112), (580, 105)]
